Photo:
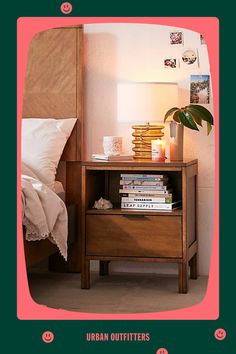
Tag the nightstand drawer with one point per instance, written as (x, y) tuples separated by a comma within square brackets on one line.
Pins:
[(133, 235)]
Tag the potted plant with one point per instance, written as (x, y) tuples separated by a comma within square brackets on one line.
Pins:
[(190, 116)]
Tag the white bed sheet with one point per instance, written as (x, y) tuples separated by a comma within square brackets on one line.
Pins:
[(44, 213)]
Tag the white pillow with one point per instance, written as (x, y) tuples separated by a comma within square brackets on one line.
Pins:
[(43, 141)]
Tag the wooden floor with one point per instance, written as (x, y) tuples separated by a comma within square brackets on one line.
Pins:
[(116, 293)]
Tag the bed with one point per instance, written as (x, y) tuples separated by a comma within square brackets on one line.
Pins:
[(53, 90)]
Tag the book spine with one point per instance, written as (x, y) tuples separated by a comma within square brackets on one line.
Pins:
[(158, 194), (140, 176), (148, 206), (142, 183), (163, 199), (145, 188), (132, 192)]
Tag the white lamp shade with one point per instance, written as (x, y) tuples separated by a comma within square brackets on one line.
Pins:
[(145, 101)]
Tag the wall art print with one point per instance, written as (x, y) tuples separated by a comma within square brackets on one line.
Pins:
[(189, 59), (200, 89), (177, 38), (170, 63)]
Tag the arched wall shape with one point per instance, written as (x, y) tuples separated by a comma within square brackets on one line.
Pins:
[(209, 28)]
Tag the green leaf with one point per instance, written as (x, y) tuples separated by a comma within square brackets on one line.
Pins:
[(209, 127), (203, 113), (190, 118), (197, 119), (171, 111), (187, 120), (176, 116)]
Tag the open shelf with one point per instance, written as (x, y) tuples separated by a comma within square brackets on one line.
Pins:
[(106, 184)]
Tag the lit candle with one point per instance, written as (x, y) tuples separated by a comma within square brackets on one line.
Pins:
[(158, 150)]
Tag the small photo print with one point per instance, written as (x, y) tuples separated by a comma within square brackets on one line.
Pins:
[(176, 38), (200, 89), (170, 63), (190, 58), (202, 39)]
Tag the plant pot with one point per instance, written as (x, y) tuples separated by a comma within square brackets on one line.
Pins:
[(176, 141)]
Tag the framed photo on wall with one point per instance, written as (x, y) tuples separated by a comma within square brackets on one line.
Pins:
[(177, 38), (202, 39), (189, 59), (200, 89), (170, 63)]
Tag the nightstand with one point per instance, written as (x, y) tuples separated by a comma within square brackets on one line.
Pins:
[(139, 235)]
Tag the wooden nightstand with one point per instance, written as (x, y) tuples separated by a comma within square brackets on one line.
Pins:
[(137, 235)]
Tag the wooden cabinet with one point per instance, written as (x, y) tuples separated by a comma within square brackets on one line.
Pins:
[(139, 235)]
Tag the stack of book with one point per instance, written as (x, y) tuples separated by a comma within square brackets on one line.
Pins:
[(146, 192), (111, 158)]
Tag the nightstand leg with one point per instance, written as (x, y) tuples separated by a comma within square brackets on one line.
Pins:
[(104, 267), (193, 267), (85, 275), (183, 277)]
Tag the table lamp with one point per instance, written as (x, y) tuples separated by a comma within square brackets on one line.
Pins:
[(145, 103)]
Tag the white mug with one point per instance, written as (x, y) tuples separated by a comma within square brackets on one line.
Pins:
[(112, 145)]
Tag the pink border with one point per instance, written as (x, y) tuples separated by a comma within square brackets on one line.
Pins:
[(27, 309)]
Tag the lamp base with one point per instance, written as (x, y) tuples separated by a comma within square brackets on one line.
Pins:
[(143, 135)]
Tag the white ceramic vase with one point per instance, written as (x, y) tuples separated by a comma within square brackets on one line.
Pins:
[(176, 141)]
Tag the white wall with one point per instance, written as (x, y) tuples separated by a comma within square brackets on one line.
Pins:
[(135, 52)]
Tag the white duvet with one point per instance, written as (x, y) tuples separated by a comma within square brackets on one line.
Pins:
[(44, 214)]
